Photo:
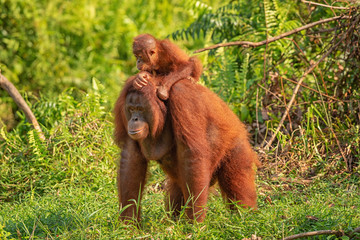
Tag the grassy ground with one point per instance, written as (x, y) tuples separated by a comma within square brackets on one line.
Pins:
[(64, 187), (85, 211)]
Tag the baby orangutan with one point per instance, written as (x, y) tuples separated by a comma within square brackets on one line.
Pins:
[(165, 61)]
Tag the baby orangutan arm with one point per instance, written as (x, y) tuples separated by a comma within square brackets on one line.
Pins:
[(171, 79), (165, 59), (190, 70)]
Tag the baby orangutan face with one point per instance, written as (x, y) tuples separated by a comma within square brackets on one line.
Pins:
[(146, 52)]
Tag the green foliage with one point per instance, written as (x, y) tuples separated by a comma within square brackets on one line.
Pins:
[(3, 234), (90, 211), (78, 148), (50, 45), (244, 21), (56, 44), (259, 82), (65, 187)]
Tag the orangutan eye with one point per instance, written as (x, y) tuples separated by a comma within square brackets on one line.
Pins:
[(131, 109)]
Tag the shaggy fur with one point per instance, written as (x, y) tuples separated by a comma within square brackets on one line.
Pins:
[(197, 142), (164, 59)]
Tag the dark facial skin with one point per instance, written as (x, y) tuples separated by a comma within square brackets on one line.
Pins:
[(145, 58), (136, 113), (140, 119), (146, 53)]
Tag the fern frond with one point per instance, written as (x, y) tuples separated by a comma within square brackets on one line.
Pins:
[(243, 74), (3, 133), (203, 11), (197, 7), (223, 73), (34, 144), (270, 17)]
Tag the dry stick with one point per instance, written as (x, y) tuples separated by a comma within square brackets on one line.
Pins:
[(313, 73), (332, 11), (268, 91), (314, 90), (310, 69), (324, 5), (19, 100), (273, 39), (325, 30), (323, 232), (332, 130), (321, 75), (321, 94), (284, 97), (315, 233), (264, 78)]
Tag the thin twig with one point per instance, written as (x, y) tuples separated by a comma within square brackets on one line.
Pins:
[(323, 232), (315, 233), (324, 5), (322, 94), (284, 97), (257, 113), (314, 90), (310, 69), (273, 39), (268, 91), (297, 45), (325, 30), (19, 100)]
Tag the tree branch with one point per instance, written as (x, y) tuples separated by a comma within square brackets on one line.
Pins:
[(19, 100), (314, 90), (310, 69), (273, 39), (324, 5)]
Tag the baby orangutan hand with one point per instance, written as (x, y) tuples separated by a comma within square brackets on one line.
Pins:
[(141, 80)]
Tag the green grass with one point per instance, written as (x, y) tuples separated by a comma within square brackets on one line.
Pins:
[(86, 211), (64, 187)]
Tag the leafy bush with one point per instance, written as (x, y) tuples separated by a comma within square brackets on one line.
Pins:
[(49, 45), (54, 44), (259, 82), (64, 187), (78, 149)]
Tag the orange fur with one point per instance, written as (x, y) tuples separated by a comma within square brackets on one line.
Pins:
[(163, 58), (204, 142)]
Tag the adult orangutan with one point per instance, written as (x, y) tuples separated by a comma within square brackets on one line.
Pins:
[(197, 140), (163, 58)]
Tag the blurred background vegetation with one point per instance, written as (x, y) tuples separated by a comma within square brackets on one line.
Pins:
[(49, 46), (69, 60), (57, 51)]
